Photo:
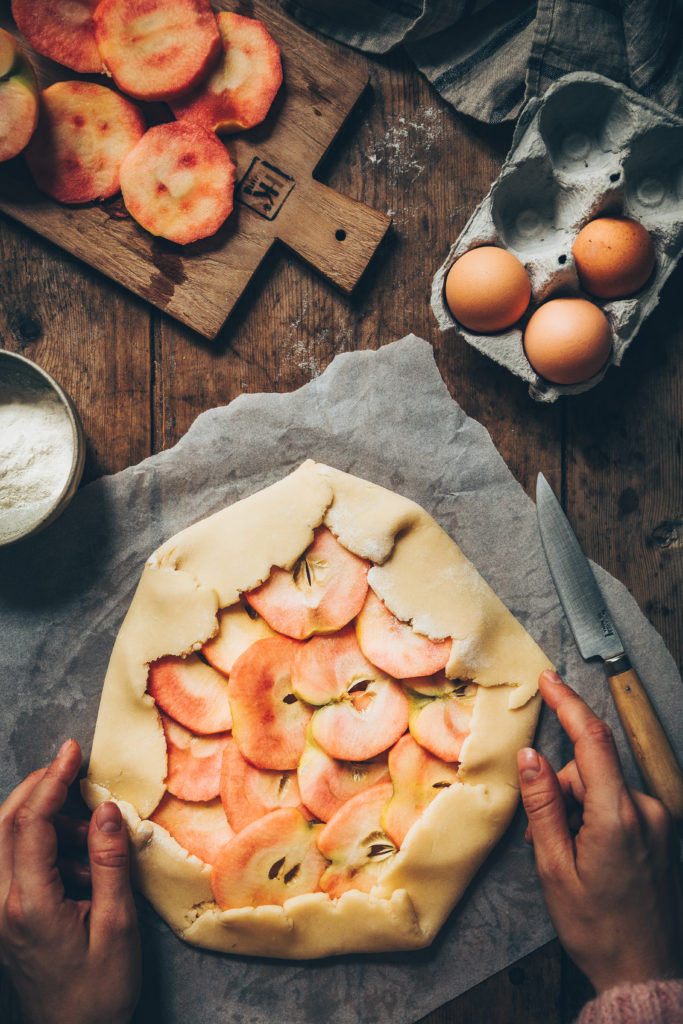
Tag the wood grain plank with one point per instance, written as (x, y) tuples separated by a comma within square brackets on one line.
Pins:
[(527, 992)]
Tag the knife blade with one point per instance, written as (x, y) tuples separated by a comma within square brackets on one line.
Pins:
[(597, 637)]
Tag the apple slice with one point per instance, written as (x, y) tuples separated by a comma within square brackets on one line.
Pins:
[(157, 49), (62, 30), (437, 685), (369, 719), (355, 843), (18, 98), (247, 793), (200, 828), (269, 720), (418, 778), (324, 590), (394, 646), (178, 182), (442, 724), (269, 861), (364, 711), (194, 762), (240, 90), (329, 666), (326, 784), (84, 132), (239, 625), (191, 692)]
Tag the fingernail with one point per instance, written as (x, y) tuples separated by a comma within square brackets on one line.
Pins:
[(551, 676), (529, 764), (108, 818), (64, 747)]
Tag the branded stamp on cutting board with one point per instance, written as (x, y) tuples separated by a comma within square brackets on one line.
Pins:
[(277, 198)]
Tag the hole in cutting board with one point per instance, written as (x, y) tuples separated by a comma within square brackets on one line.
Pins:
[(340, 234)]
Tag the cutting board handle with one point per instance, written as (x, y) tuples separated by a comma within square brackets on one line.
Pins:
[(651, 748), (336, 235)]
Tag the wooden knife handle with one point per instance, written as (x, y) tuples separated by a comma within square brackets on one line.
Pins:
[(653, 753)]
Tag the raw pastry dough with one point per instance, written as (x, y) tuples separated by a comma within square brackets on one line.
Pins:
[(423, 577)]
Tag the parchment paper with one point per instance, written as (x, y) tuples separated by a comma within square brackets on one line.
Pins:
[(386, 416)]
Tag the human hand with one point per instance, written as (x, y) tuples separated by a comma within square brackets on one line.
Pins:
[(606, 855), (70, 961)]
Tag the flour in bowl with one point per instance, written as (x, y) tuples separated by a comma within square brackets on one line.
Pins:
[(36, 447)]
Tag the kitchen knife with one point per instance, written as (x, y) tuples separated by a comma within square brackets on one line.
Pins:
[(596, 637)]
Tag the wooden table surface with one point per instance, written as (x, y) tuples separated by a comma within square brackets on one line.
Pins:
[(139, 379)]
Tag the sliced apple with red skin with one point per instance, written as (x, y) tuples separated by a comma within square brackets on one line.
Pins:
[(200, 828), (369, 719), (326, 783), (269, 720), (18, 98), (191, 692), (363, 711), (194, 762), (157, 49), (84, 133), (394, 646), (268, 862), (178, 182), (62, 30), (328, 666), (355, 843), (442, 724), (418, 778), (239, 626), (247, 793), (324, 590), (239, 92)]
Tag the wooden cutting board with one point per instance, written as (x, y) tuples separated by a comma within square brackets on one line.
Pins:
[(277, 197)]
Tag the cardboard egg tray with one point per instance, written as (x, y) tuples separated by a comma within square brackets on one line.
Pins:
[(588, 147)]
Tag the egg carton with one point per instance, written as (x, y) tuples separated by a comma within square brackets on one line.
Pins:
[(588, 148)]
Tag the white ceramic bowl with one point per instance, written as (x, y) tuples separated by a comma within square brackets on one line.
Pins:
[(23, 381)]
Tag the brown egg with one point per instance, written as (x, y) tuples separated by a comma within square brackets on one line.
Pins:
[(487, 289), (614, 257), (568, 340)]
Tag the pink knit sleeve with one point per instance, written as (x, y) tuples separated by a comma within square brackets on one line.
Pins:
[(652, 1002)]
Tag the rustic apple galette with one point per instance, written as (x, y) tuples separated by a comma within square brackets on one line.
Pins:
[(310, 722)]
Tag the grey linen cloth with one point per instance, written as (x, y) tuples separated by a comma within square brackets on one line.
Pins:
[(487, 57)]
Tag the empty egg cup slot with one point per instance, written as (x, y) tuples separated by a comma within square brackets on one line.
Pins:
[(581, 122), (523, 207), (653, 170), (650, 191)]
